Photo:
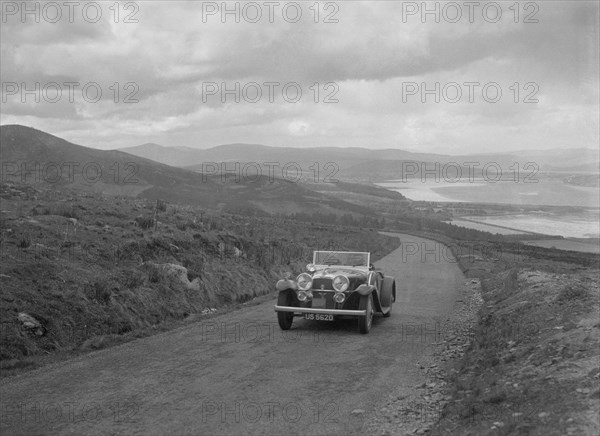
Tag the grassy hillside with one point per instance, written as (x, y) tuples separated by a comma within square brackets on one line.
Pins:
[(90, 268), (532, 366)]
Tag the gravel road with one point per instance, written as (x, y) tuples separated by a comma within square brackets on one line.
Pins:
[(237, 373)]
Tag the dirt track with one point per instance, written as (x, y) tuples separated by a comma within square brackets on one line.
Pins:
[(239, 374)]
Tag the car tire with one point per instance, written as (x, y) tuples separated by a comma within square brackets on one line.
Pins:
[(389, 312), (387, 292), (365, 322), (285, 319)]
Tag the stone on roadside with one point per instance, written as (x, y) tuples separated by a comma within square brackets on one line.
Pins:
[(29, 322)]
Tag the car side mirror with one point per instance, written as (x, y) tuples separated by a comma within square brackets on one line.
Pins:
[(371, 267)]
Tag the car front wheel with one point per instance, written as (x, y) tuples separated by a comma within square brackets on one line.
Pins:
[(285, 320), (365, 322)]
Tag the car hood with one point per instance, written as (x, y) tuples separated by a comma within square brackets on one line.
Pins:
[(330, 273)]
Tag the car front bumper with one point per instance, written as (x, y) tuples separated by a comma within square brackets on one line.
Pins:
[(325, 311)]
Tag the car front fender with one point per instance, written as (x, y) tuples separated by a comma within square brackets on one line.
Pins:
[(287, 297), (365, 289), (284, 284)]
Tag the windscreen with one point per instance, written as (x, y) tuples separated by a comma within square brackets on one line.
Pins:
[(341, 258)]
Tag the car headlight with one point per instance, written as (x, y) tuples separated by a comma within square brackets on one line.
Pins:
[(304, 282), (302, 295), (339, 297), (340, 283)]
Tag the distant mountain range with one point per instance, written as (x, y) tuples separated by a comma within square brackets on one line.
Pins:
[(343, 157), (335, 180), (355, 163), (40, 159)]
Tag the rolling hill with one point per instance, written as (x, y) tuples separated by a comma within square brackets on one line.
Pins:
[(37, 158)]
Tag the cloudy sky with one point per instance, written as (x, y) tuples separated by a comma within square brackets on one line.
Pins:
[(376, 74)]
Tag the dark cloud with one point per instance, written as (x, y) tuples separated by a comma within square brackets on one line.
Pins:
[(369, 53)]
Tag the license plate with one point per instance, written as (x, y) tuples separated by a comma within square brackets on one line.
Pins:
[(319, 316)]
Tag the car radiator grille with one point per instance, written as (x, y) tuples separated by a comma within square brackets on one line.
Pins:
[(325, 283), (322, 300)]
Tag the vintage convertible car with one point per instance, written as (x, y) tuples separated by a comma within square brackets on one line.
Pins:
[(338, 283)]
